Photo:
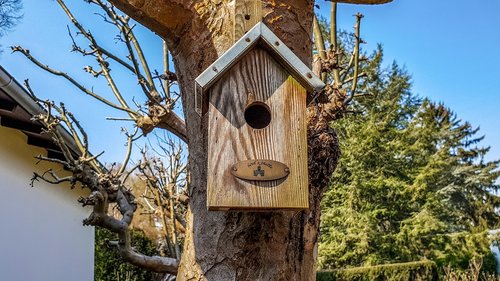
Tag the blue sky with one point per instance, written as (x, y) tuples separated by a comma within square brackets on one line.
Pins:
[(449, 47)]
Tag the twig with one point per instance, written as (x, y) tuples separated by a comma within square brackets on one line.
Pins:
[(27, 54)]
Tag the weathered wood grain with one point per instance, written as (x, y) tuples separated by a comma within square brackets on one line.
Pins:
[(231, 140), (247, 14)]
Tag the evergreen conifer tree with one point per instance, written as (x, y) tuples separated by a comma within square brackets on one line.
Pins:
[(412, 182)]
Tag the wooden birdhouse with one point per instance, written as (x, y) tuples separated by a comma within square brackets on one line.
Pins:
[(255, 98)]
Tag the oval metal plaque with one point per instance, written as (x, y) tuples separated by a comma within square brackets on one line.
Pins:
[(260, 170)]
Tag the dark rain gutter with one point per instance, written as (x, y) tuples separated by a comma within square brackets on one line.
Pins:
[(14, 90)]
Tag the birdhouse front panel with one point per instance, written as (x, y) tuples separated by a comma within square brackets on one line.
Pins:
[(257, 137)]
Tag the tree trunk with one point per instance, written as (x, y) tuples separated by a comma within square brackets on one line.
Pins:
[(277, 245)]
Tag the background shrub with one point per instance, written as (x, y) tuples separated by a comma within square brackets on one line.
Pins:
[(109, 266), (422, 270)]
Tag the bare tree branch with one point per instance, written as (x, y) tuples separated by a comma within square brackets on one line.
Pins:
[(27, 54), (333, 41), (319, 42), (106, 186), (356, 59)]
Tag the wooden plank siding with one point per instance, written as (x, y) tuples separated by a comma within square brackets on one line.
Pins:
[(247, 14)]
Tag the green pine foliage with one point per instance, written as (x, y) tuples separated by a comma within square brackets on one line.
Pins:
[(109, 266), (412, 182)]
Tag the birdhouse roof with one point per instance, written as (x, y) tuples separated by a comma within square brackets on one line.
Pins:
[(260, 34)]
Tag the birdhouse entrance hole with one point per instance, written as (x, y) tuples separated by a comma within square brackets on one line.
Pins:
[(258, 115)]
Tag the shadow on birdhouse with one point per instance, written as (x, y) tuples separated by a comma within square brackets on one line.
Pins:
[(255, 98)]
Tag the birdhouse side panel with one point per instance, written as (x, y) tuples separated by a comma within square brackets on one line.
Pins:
[(257, 77)]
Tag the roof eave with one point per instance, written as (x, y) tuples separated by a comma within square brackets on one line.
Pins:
[(22, 97), (260, 33)]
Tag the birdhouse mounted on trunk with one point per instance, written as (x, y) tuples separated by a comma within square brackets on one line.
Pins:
[(255, 98)]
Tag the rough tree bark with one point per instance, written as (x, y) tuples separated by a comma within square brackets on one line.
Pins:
[(234, 245)]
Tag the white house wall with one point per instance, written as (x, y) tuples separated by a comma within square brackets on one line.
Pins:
[(41, 233)]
